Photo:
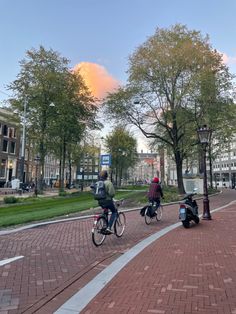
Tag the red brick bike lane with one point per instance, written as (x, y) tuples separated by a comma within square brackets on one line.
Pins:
[(185, 271), (59, 259)]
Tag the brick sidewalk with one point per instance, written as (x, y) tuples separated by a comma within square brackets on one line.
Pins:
[(186, 271)]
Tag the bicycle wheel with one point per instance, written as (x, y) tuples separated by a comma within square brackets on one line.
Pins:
[(147, 216), (98, 234), (159, 212), (120, 224)]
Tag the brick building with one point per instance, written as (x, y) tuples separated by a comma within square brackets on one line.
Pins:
[(9, 147)]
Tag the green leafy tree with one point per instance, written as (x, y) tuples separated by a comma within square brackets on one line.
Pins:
[(123, 149), (166, 74), (74, 114), (214, 107), (59, 105)]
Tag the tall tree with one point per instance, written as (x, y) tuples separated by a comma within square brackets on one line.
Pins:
[(74, 112), (59, 105), (165, 73), (123, 149), (214, 107)]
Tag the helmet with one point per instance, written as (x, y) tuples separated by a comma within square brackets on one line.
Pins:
[(155, 180), (103, 175)]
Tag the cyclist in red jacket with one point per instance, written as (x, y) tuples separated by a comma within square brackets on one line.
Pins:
[(155, 191)]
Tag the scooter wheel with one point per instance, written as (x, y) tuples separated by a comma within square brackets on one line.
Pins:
[(186, 223), (196, 220)]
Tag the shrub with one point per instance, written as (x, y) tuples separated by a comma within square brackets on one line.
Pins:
[(212, 190), (10, 199), (77, 193), (170, 194), (62, 193)]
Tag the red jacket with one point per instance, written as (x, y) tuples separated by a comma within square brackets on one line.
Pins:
[(155, 191)]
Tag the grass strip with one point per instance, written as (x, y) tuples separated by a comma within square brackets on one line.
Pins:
[(46, 208)]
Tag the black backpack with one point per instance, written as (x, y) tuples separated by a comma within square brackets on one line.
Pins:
[(99, 190), (151, 211), (142, 211)]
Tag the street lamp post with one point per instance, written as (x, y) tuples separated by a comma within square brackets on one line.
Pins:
[(36, 159), (101, 151), (22, 161), (204, 135), (82, 180)]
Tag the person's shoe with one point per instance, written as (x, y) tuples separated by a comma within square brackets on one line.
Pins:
[(108, 230)]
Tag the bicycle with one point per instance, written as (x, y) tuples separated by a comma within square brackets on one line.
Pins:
[(101, 222), (153, 211)]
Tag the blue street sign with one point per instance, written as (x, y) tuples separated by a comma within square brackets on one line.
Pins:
[(105, 160)]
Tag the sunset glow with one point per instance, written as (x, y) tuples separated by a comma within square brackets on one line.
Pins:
[(97, 79)]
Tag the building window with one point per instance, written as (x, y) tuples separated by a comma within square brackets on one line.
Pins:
[(5, 130), (0, 128), (4, 145), (11, 132), (12, 147), (3, 168)]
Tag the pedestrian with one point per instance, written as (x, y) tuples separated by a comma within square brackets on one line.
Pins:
[(108, 202), (51, 183)]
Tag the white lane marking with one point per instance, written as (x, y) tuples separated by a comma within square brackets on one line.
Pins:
[(81, 299), (9, 260)]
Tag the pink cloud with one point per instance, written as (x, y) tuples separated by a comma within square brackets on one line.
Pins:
[(97, 79), (227, 59)]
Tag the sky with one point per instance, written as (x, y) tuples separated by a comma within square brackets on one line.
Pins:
[(99, 35)]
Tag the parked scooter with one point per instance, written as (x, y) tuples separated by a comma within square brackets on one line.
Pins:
[(188, 210)]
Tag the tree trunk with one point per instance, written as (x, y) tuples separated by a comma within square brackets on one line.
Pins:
[(41, 166), (112, 175), (116, 177), (42, 151), (210, 165), (70, 170), (63, 165), (60, 173), (120, 176), (179, 169)]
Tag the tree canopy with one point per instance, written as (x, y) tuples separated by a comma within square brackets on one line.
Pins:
[(175, 80), (59, 106), (123, 148)]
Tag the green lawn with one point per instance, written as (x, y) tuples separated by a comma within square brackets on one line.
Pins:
[(32, 209), (42, 208)]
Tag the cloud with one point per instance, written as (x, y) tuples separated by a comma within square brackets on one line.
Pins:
[(227, 59), (97, 79)]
